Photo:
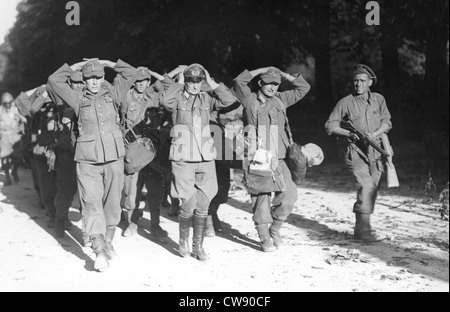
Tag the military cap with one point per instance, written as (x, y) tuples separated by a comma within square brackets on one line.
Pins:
[(364, 69), (76, 76), (143, 74), (93, 68), (195, 71), (273, 74)]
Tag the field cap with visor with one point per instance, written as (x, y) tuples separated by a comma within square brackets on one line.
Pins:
[(93, 68), (143, 74), (194, 73), (364, 69), (272, 75)]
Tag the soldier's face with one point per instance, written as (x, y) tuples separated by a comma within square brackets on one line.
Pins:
[(93, 84), (361, 83), (193, 87), (141, 85), (269, 89)]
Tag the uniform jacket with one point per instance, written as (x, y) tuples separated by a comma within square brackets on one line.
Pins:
[(191, 134), (366, 115), (269, 112), (100, 137)]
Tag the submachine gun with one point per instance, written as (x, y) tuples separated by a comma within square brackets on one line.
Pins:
[(387, 152)]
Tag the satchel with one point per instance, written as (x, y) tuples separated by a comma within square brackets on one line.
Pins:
[(263, 176), (297, 163), (138, 154)]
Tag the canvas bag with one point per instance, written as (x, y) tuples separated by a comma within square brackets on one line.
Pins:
[(138, 154)]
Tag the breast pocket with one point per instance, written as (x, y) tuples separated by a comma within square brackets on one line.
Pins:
[(86, 149), (273, 115), (183, 113), (87, 112)]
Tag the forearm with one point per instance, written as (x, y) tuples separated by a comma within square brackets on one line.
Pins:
[(169, 96)]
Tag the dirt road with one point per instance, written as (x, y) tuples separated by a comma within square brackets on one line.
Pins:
[(320, 254)]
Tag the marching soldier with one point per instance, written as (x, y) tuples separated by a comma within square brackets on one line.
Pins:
[(192, 151), (265, 111), (369, 114), (100, 148), (141, 98)]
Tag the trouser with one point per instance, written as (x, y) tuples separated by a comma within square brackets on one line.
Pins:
[(47, 184), (100, 187), (195, 184), (35, 176), (282, 202), (367, 177), (154, 182), (66, 182), (223, 182), (130, 191)]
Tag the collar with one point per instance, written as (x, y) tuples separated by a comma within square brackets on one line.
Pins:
[(262, 98), (370, 96)]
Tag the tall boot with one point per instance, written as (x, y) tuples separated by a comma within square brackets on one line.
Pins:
[(185, 227), (101, 263), (209, 230), (109, 236), (199, 235), (132, 217), (363, 230), (274, 232), (264, 237)]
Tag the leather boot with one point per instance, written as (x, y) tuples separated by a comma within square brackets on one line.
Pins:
[(109, 236), (264, 237), (199, 235), (274, 232), (209, 231), (363, 230), (132, 217), (101, 263), (185, 228)]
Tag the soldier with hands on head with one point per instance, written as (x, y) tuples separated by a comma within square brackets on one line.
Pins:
[(265, 117), (99, 148), (192, 151)]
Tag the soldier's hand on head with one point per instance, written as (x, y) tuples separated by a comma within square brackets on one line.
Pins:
[(210, 81)]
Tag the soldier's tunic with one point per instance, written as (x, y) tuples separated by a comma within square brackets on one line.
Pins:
[(268, 116), (364, 162), (100, 147), (192, 151)]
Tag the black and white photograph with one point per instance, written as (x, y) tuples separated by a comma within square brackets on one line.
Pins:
[(227, 152)]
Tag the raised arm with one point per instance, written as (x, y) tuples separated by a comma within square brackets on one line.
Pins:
[(301, 88), (169, 96), (58, 84)]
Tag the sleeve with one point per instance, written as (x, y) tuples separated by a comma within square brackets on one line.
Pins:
[(335, 118), (301, 88), (37, 104), (57, 83), (127, 75), (169, 97), (225, 97), (384, 112), (242, 89)]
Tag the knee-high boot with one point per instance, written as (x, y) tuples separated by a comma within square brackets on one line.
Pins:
[(185, 227), (199, 235)]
